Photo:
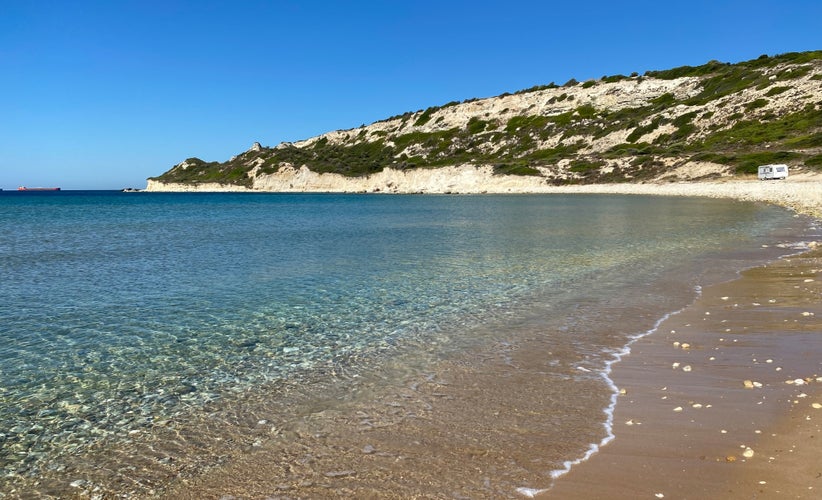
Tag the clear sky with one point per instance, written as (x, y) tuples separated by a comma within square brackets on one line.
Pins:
[(102, 94)]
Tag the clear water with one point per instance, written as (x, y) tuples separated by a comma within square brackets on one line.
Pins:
[(118, 311)]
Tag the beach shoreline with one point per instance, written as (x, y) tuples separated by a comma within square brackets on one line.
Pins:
[(703, 411), (684, 422), (532, 404), (670, 439), (801, 191), (724, 400)]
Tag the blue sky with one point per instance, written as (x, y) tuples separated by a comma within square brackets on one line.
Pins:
[(102, 94)]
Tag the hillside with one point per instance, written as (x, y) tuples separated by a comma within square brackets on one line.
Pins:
[(699, 122)]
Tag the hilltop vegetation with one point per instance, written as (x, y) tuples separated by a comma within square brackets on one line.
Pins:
[(618, 128)]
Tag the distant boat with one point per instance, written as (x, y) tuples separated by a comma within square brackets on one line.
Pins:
[(24, 188)]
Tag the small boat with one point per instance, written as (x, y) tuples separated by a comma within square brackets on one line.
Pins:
[(24, 188)]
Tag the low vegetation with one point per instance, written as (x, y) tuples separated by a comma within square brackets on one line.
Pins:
[(767, 110)]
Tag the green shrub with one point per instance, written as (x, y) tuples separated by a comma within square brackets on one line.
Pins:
[(756, 104), (749, 163), (475, 125), (684, 119), (776, 90), (536, 88), (614, 78), (713, 158), (640, 131), (561, 119), (584, 165), (552, 156), (808, 141), (754, 132), (425, 117), (664, 101), (730, 80), (793, 73), (814, 161), (428, 139), (515, 169), (683, 71), (526, 122), (586, 111)]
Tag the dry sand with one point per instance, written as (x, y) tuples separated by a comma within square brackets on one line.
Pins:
[(800, 192), (724, 400), (736, 412)]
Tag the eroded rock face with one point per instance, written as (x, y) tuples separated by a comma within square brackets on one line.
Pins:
[(639, 128)]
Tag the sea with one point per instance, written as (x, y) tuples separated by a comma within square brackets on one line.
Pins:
[(126, 318)]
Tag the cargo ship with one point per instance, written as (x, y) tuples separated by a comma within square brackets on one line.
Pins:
[(24, 188)]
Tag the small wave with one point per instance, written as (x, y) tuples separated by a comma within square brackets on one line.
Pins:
[(530, 492), (796, 245), (616, 357)]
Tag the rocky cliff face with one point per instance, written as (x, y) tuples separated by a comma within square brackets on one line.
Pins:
[(686, 123)]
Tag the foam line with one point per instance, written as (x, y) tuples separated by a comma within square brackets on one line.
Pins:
[(609, 410)]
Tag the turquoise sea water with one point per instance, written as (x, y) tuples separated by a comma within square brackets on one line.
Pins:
[(122, 310)]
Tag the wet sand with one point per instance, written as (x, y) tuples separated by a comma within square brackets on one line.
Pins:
[(706, 413), (734, 414)]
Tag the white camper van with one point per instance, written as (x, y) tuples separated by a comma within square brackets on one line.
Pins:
[(767, 172)]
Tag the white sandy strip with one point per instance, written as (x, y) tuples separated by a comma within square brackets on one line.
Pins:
[(801, 193)]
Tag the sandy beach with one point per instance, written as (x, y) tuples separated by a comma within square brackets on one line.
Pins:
[(801, 192), (722, 400)]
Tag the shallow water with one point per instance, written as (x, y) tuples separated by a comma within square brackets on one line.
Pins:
[(125, 315)]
